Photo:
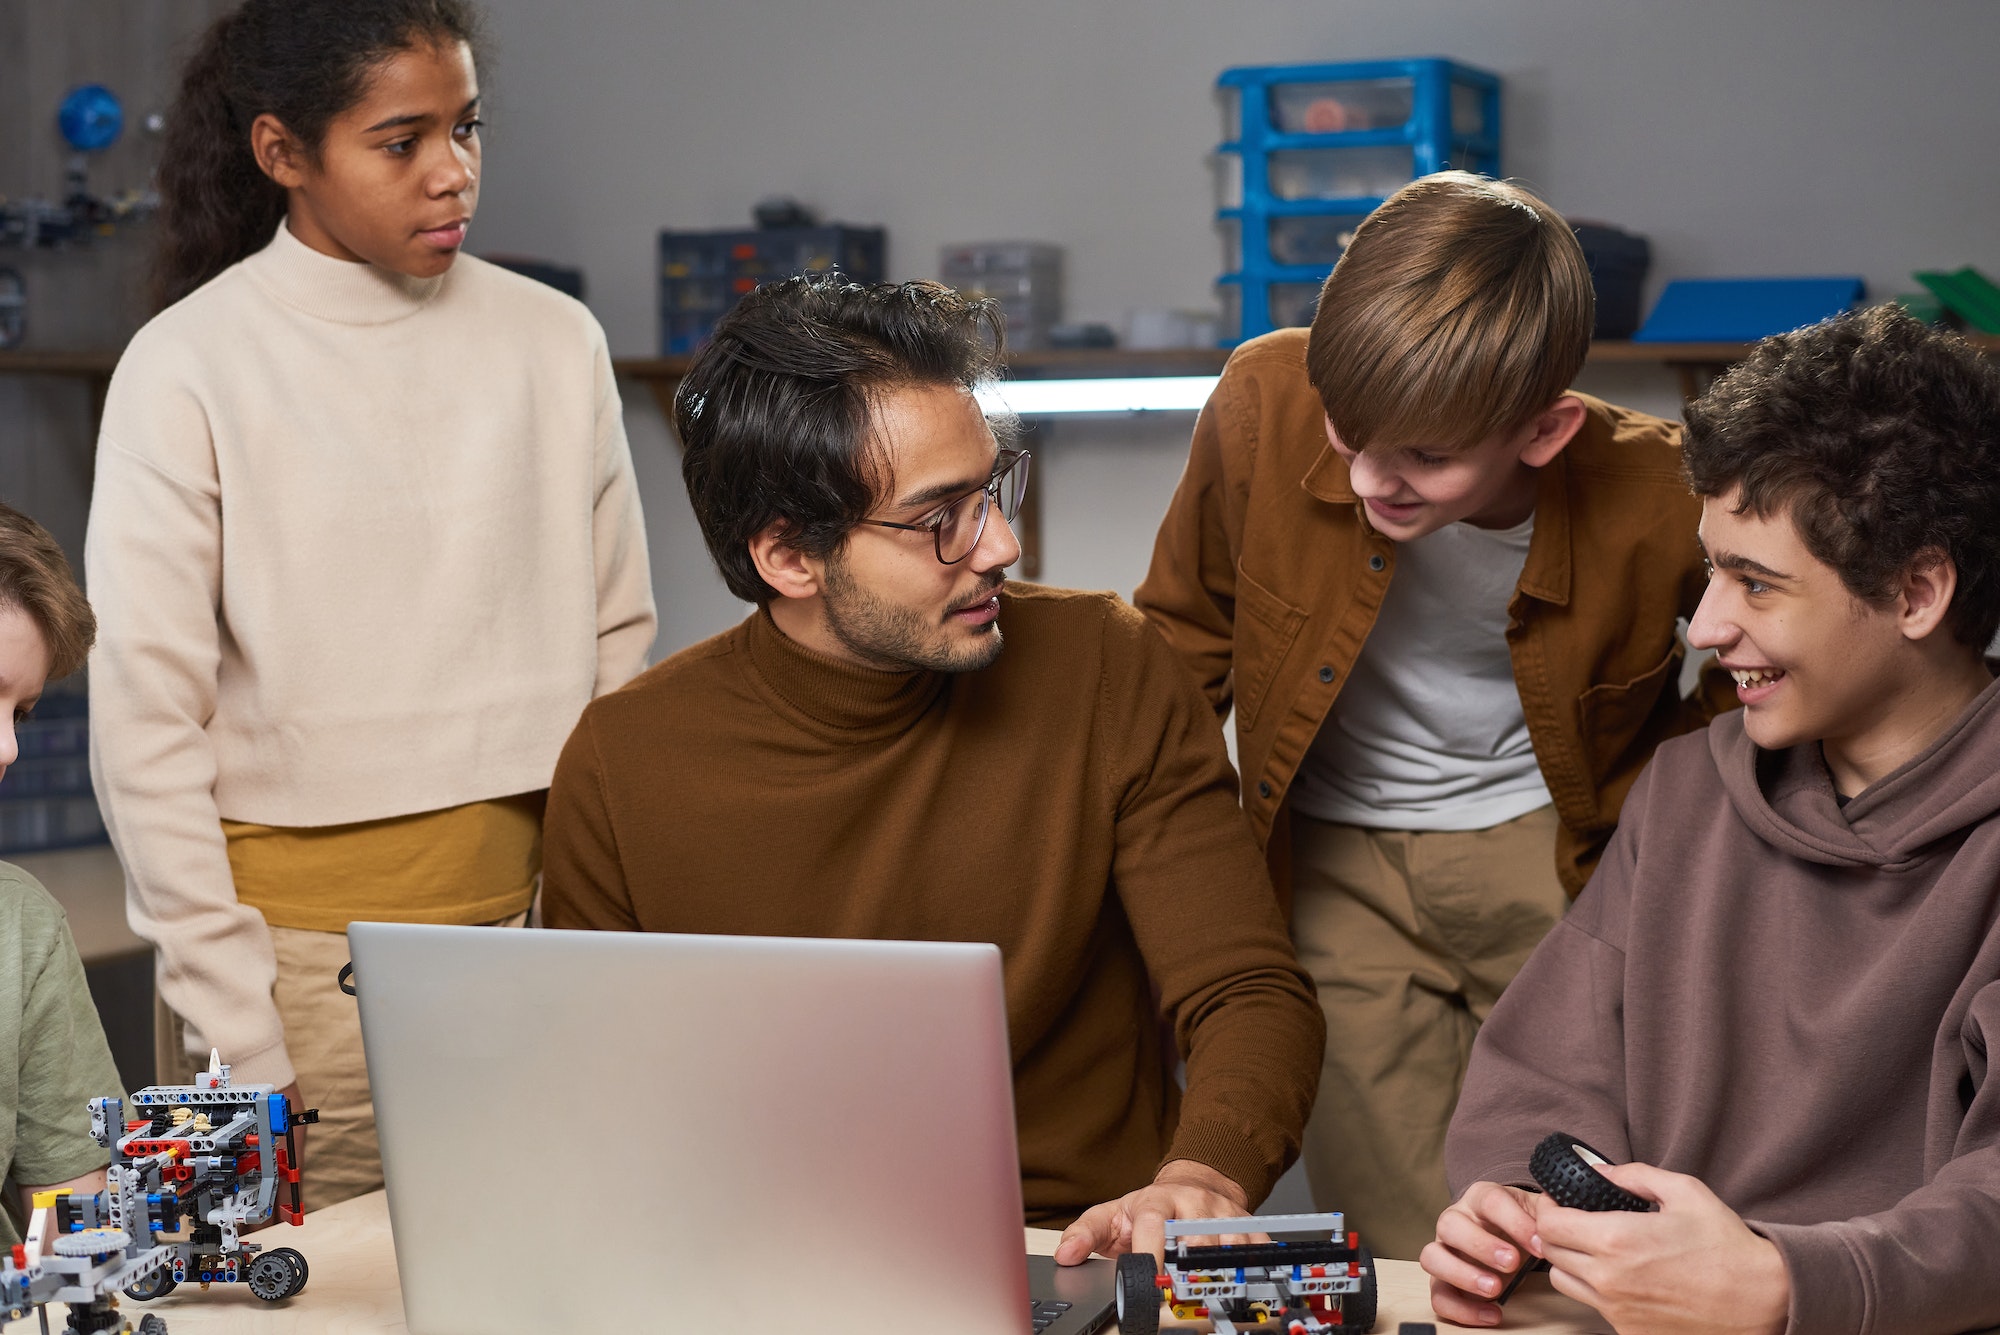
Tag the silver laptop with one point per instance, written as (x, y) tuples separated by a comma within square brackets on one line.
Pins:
[(589, 1131)]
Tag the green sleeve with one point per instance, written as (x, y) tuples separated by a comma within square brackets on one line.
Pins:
[(64, 1060)]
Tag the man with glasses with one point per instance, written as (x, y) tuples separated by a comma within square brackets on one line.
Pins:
[(860, 758)]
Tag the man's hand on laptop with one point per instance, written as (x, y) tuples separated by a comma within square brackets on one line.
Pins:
[(1136, 1222)]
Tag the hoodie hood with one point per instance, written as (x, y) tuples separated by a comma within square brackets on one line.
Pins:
[(1787, 796)]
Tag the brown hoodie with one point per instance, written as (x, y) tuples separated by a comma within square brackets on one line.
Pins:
[(1791, 1001)]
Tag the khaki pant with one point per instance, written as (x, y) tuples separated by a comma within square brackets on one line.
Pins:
[(1410, 935), (323, 1034)]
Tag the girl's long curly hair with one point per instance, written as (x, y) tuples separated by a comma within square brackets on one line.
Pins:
[(302, 61)]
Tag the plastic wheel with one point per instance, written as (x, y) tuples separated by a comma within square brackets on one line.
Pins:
[(1138, 1294), (156, 1285), (96, 1317), (1566, 1168), (92, 1242), (272, 1277), (152, 1324), (1358, 1309)]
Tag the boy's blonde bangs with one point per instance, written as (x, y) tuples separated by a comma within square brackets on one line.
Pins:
[(1462, 308)]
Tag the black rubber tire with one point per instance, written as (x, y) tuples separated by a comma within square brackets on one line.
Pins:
[(156, 1285), (1358, 1310), (1568, 1179), (1138, 1294), (298, 1264), (99, 1316), (152, 1324)]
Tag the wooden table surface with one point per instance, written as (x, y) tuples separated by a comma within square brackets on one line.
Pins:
[(353, 1288)]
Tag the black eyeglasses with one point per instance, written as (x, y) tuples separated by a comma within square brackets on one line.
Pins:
[(957, 527)]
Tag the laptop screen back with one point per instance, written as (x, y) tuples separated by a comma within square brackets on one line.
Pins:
[(610, 1131)]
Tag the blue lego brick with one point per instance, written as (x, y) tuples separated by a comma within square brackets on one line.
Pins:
[(1743, 310)]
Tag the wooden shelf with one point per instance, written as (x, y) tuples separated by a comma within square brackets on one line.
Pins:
[(84, 363), (1669, 354), (662, 375), (1700, 363), (1696, 363)]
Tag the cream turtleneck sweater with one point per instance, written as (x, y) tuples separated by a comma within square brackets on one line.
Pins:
[(361, 546)]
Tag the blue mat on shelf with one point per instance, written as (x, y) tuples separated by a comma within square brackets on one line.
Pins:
[(1743, 310)]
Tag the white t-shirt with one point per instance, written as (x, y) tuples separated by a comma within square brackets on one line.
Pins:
[(1428, 733)]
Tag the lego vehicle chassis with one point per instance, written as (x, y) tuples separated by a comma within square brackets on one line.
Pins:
[(197, 1166), (1322, 1283)]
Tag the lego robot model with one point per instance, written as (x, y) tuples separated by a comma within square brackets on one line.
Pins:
[(196, 1166), (1312, 1278)]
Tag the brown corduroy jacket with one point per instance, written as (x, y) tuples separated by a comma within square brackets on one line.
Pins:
[(1266, 579)]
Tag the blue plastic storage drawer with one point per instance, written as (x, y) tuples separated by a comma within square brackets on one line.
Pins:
[(1319, 148)]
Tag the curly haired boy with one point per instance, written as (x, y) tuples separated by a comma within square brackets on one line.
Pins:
[(1779, 993)]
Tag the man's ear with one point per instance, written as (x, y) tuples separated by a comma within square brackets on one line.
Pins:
[(1924, 597), (783, 566), (278, 151), (1553, 428)]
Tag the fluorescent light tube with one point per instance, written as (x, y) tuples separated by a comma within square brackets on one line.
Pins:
[(1136, 394)]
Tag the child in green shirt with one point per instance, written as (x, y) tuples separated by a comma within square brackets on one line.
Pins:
[(53, 1057)]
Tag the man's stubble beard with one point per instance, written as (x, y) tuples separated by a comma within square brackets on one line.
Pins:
[(895, 638)]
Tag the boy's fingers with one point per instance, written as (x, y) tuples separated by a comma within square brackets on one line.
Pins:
[(1470, 1238), (1643, 1179), (1501, 1210), (1571, 1285), (1584, 1255), (1444, 1263), (1462, 1308)]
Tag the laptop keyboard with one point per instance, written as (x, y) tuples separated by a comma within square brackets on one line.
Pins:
[(1044, 1314)]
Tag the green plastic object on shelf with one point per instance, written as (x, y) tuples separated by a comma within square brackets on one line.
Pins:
[(1921, 305), (1968, 294)]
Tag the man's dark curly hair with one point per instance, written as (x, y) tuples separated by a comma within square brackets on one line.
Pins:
[(1880, 437), (774, 414)]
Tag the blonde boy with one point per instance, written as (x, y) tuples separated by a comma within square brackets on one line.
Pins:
[(53, 1057), (1440, 591)]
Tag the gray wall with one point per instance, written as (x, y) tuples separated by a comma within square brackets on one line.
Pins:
[(1742, 136), (90, 296)]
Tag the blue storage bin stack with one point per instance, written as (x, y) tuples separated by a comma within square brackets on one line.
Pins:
[(1321, 147), (46, 799)]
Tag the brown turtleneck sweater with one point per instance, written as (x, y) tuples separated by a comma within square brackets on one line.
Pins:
[(1072, 804)]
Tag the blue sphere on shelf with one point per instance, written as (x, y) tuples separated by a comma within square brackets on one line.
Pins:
[(91, 118)]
